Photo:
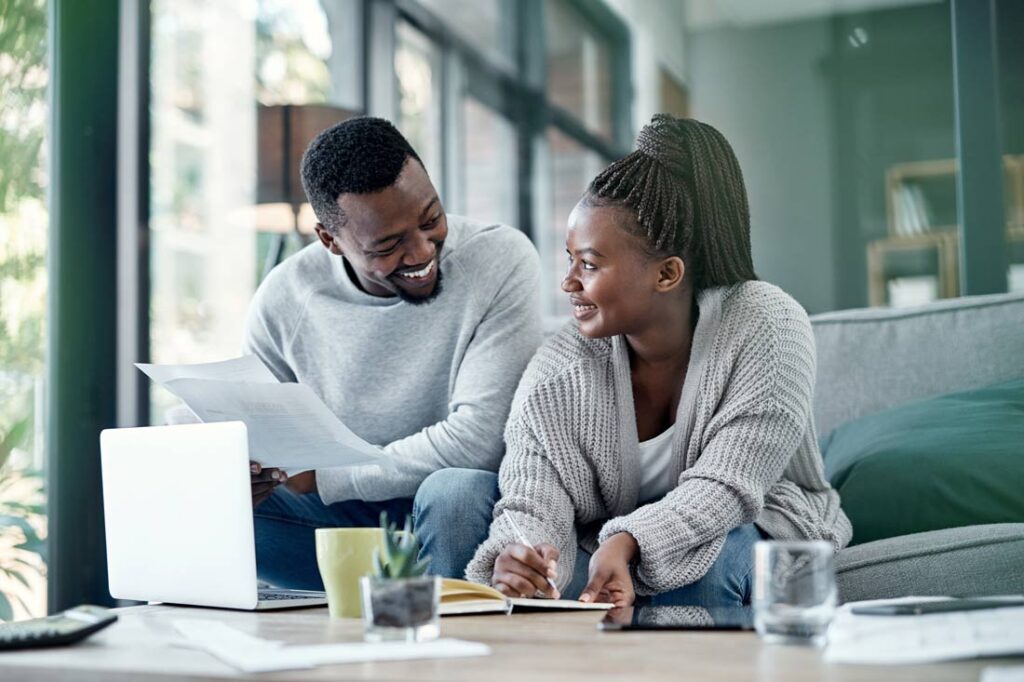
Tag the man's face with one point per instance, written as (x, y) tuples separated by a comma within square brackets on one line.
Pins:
[(392, 238)]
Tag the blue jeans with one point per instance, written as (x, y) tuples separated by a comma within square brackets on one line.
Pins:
[(727, 583), (451, 516)]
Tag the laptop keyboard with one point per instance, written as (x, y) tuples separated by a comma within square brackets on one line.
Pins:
[(269, 595)]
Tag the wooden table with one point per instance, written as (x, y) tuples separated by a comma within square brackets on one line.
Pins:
[(526, 647)]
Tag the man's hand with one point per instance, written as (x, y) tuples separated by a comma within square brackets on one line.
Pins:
[(303, 483), (610, 580), (264, 481), (523, 572)]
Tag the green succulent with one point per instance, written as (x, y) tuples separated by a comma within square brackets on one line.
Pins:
[(398, 560)]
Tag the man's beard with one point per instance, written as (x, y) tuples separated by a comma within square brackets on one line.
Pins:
[(420, 300)]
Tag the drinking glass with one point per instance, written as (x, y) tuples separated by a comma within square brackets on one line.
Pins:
[(794, 591)]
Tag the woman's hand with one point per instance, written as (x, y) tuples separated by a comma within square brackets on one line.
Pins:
[(523, 572), (610, 580)]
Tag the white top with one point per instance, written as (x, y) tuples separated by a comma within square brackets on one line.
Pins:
[(655, 462)]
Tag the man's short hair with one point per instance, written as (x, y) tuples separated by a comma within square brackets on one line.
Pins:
[(359, 156)]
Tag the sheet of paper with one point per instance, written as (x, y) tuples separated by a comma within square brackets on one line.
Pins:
[(246, 368), (1003, 673), (289, 426), (252, 654), (890, 640)]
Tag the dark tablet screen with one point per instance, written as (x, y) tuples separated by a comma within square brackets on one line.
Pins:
[(678, 618)]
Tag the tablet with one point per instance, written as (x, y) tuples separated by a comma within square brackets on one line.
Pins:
[(678, 618)]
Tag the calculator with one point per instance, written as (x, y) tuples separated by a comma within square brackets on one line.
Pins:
[(56, 630)]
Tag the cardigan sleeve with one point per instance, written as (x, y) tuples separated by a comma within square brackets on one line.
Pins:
[(532, 491), (747, 445)]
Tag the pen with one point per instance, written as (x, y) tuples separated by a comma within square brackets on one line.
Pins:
[(522, 539)]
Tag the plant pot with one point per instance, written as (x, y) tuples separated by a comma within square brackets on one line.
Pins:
[(402, 609)]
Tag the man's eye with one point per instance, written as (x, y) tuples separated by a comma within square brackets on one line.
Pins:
[(385, 252), (432, 223), (588, 266)]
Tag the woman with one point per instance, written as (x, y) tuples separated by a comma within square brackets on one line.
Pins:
[(669, 427)]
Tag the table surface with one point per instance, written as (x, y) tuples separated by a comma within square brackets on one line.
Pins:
[(529, 646)]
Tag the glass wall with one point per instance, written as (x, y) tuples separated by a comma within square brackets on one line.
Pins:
[(23, 233), (844, 125)]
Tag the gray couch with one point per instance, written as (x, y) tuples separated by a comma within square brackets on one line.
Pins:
[(869, 360)]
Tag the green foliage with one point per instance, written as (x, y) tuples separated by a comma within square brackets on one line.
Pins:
[(400, 549), (23, 80), (18, 521)]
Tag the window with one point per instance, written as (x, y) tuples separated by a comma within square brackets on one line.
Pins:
[(24, 73), (501, 123), (418, 71), (490, 183), (579, 68), (573, 166), (227, 80)]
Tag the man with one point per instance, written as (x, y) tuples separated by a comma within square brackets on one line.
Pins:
[(413, 327)]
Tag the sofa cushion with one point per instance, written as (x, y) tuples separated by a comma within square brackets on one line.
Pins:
[(956, 460), (969, 562), (873, 359)]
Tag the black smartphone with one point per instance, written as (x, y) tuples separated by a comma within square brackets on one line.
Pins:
[(918, 608), (677, 618)]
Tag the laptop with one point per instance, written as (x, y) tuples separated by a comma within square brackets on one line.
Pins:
[(178, 513)]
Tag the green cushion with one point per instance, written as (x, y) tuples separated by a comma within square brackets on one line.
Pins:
[(945, 462)]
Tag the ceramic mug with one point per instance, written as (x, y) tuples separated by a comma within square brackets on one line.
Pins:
[(344, 555)]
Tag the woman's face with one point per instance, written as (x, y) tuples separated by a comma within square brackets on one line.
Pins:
[(612, 283)]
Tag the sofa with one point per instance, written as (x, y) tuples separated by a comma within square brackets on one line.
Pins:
[(874, 359)]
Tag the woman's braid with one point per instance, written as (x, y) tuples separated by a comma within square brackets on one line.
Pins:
[(686, 188)]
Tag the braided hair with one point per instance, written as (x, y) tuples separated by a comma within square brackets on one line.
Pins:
[(684, 185)]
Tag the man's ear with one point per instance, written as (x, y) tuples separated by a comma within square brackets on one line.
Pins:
[(328, 239), (670, 273)]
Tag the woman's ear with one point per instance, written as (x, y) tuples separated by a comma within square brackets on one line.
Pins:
[(670, 273)]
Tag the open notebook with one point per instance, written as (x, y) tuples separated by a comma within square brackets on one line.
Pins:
[(459, 597)]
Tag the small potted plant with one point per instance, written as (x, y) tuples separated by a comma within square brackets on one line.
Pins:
[(400, 601)]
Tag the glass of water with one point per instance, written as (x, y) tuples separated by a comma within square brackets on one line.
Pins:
[(794, 591)]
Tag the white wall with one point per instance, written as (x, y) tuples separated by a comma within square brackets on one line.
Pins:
[(657, 28)]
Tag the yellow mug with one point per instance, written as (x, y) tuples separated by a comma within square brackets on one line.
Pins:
[(345, 555)]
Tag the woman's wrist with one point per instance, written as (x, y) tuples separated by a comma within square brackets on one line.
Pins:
[(625, 545)]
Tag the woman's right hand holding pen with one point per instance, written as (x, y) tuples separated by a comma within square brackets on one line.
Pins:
[(520, 571)]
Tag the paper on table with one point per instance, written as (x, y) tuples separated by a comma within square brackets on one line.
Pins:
[(252, 654), (289, 426), (889, 640), (1003, 673)]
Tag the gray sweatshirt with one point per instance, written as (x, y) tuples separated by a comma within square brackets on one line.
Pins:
[(744, 445), (432, 382)]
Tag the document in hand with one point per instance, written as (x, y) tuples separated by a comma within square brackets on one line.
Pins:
[(289, 426), (461, 597)]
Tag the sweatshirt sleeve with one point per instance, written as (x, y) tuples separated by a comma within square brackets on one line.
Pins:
[(268, 327), (532, 491), (470, 436), (746, 448)]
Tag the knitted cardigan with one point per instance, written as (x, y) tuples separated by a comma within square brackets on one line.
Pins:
[(744, 447)]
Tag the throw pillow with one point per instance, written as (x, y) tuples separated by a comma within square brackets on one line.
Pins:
[(944, 462)]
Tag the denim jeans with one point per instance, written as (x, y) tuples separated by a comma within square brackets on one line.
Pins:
[(727, 583), (451, 516)]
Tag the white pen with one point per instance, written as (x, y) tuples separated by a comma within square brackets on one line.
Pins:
[(522, 539)]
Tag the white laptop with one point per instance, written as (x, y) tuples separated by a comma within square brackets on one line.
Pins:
[(178, 512)]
